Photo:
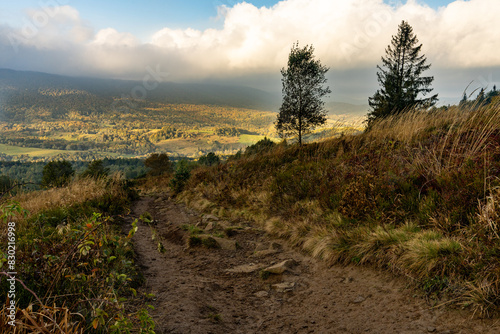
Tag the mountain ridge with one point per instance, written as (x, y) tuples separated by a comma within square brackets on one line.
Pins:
[(15, 85)]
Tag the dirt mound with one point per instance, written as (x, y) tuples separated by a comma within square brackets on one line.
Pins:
[(262, 286)]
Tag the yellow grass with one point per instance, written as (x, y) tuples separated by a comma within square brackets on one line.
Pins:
[(79, 191)]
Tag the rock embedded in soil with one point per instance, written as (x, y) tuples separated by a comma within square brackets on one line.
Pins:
[(359, 300), (284, 287), (209, 218), (226, 243), (261, 294), (281, 267), (246, 268), (211, 226)]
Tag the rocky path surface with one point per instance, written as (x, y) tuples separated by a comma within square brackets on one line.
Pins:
[(225, 277)]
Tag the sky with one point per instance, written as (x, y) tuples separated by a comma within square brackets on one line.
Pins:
[(246, 43)]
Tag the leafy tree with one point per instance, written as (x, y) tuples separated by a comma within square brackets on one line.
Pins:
[(57, 174), (158, 163), (209, 160), (96, 169), (401, 78), (302, 108)]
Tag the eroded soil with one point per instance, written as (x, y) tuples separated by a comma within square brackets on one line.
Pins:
[(202, 289)]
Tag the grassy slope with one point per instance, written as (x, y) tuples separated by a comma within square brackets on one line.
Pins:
[(417, 195)]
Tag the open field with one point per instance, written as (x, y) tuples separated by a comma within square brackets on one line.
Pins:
[(31, 151)]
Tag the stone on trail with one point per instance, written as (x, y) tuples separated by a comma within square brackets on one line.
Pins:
[(208, 218), (280, 268), (359, 300), (261, 294), (264, 253), (246, 268), (210, 226), (225, 243), (284, 287)]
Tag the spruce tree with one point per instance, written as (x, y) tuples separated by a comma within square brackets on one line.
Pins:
[(400, 77), (302, 108)]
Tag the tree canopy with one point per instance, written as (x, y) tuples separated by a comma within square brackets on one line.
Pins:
[(96, 169), (400, 77), (158, 164), (302, 108)]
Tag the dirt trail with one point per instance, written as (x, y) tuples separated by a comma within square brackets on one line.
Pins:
[(220, 290)]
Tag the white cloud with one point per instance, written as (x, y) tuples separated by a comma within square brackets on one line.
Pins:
[(347, 34), (111, 38)]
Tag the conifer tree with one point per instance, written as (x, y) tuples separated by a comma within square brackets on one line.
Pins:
[(400, 77), (57, 174), (302, 108)]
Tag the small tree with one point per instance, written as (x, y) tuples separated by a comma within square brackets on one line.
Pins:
[(181, 176), (302, 108), (401, 78), (95, 169), (158, 164), (56, 174)]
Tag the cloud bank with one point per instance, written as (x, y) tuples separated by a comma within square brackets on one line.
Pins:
[(347, 34)]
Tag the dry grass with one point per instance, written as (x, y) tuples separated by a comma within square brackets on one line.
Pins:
[(155, 184), (47, 320), (458, 134), (488, 216), (77, 192)]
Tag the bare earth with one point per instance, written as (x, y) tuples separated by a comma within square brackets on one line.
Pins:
[(217, 290)]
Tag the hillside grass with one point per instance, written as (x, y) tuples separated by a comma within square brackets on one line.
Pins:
[(75, 265), (417, 195)]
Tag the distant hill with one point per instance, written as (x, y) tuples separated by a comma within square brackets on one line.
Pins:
[(57, 94)]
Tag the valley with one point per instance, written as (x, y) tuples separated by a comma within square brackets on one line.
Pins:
[(45, 117)]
